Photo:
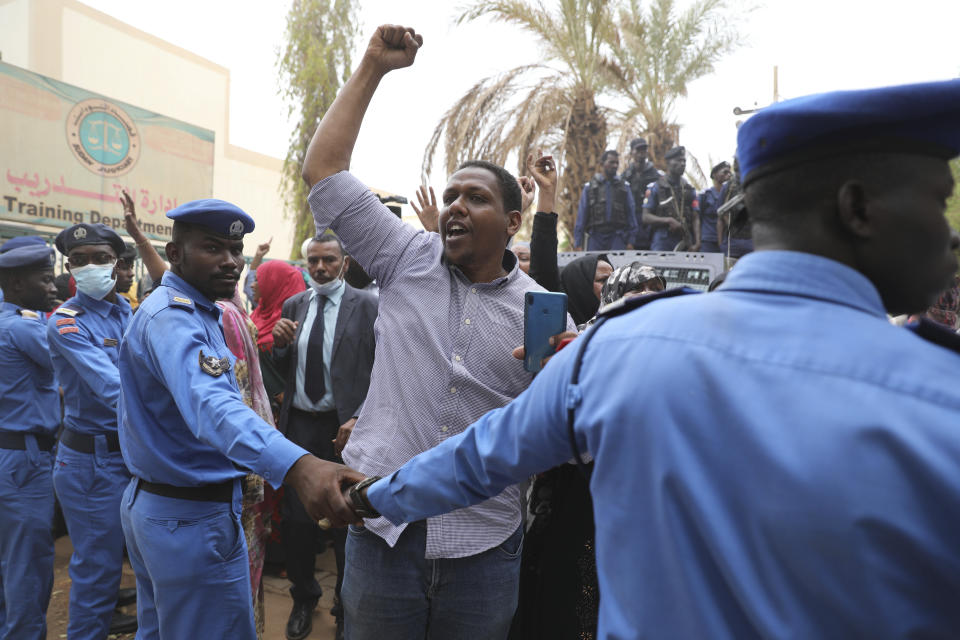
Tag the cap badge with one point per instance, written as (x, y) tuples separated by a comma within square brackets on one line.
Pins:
[(79, 233), (236, 228)]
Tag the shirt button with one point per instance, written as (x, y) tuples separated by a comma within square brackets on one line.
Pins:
[(453, 389), (444, 428), (457, 358), (473, 290), (467, 321)]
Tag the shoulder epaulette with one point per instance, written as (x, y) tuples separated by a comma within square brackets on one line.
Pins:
[(67, 311), (623, 305), (27, 313), (177, 300), (936, 333)]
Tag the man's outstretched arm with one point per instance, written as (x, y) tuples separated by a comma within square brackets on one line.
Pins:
[(391, 47)]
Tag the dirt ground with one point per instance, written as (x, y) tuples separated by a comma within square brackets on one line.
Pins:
[(277, 598)]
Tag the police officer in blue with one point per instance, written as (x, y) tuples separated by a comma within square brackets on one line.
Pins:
[(29, 418), (812, 489), (606, 215), (640, 174), (89, 475), (709, 203), (188, 439), (16, 243), (671, 207)]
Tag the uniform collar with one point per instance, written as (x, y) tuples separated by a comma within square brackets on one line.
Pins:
[(100, 307), (172, 280), (806, 275)]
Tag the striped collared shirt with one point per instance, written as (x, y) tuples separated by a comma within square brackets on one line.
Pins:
[(443, 356)]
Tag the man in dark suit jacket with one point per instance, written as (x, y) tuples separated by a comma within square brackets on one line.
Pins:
[(324, 344)]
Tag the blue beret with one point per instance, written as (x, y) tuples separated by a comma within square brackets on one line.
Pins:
[(31, 256), (676, 152), (22, 241), (223, 218), (917, 118), (84, 234)]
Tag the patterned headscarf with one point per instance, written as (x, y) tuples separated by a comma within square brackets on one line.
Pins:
[(623, 280)]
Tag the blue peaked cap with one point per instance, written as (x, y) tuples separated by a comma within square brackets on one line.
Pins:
[(221, 217), (29, 256), (922, 118), (22, 241), (85, 233)]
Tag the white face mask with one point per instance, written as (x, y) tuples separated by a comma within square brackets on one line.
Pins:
[(95, 280), (331, 287)]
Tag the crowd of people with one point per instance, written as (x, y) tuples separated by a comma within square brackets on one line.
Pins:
[(775, 458)]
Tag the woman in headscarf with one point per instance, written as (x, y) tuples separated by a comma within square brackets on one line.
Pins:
[(582, 280), (241, 337), (276, 281), (634, 279)]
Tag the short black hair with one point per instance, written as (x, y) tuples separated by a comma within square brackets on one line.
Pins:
[(509, 188), (328, 236), (783, 198), (608, 153)]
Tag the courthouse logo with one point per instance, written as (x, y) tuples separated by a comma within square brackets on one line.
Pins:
[(103, 137)]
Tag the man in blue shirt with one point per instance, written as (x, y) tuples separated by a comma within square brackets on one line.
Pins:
[(188, 439), (29, 417), (89, 475), (810, 490), (709, 203), (606, 215)]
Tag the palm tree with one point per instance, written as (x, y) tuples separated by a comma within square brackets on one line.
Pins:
[(552, 104), (585, 87), (659, 54)]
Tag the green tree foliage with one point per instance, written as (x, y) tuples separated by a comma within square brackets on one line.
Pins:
[(584, 92), (953, 204), (313, 66)]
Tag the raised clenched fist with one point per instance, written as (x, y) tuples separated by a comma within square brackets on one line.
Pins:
[(393, 47)]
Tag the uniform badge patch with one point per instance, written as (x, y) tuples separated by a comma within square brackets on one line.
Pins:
[(110, 342), (66, 311), (214, 366), (80, 233), (236, 228), (64, 321), (183, 300), (26, 313), (64, 330)]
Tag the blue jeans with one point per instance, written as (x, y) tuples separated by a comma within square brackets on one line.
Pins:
[(89, 486), (398, 594), (26, 542), (190, 558)]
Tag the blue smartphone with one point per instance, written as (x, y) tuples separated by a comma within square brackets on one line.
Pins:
[(544, 316)]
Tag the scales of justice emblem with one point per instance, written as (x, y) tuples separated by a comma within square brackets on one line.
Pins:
[(103, 137)]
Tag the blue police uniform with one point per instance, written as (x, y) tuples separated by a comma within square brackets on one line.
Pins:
[(599, 239), (89, 474), (662, 239), (29, 418), (796, 477), (188, 439), (709, 203)]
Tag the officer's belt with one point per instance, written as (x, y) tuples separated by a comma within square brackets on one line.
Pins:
[(222, 492), (87, 444), (18, 441)]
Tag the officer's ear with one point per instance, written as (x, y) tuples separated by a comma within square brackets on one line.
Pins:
[(174, 253)]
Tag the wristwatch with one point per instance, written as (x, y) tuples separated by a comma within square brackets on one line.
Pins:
[(358, 498)]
